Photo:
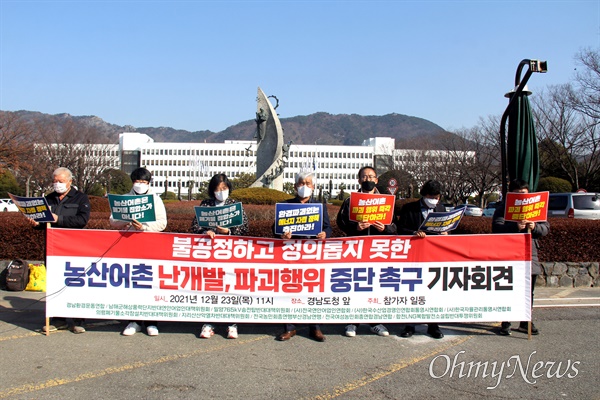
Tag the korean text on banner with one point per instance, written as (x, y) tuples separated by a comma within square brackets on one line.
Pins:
[(183, 277)]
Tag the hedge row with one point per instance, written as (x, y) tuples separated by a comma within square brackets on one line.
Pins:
[(569, 240)]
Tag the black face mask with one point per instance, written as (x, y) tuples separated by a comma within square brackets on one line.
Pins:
[(367, 186)]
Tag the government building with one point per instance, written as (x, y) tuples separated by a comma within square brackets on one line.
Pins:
[(180, 167)]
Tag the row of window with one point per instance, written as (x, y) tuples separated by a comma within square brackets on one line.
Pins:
[(252, 153), (199, 152), (198, 165), (330, 154), (249, 163), (175, 178), (103, 153), (184, 184)]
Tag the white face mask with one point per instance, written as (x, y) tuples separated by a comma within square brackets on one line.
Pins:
[(60, 187), (304, 191), (222, 195), (431, 203), (141, 188)]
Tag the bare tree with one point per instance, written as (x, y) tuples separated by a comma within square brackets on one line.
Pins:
[(15, 142), (16, 148), (81, 148), (473, 164), (585, 92), (570, 138)]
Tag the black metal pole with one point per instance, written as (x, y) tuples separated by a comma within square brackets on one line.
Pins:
[(520, 84)]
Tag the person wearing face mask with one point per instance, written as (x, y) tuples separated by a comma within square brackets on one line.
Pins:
[(141, 179), (304, 187), (219, 189), (408, 221), (367, 178), (70, 209), (537, 230)]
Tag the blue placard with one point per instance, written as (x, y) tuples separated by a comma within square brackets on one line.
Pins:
[(128, 207), (438, 222), (300, 219), (36, 208)]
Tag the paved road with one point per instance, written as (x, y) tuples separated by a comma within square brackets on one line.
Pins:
[(561, 363)]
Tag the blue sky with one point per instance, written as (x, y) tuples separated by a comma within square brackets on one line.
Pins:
[(196, 65)]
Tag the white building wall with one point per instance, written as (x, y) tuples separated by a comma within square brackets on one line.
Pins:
[(175, 162), (198, 162)]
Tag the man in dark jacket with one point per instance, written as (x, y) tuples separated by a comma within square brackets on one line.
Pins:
[(367, 178), (70, 209), (304, 187), (537, 230), (408, 221)]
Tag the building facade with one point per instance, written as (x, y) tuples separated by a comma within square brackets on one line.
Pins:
[(181, 167)]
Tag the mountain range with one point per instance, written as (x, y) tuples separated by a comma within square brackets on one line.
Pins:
[(319, 128)]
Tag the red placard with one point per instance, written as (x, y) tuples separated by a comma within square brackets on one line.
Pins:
[(376, 207), (526, 206)]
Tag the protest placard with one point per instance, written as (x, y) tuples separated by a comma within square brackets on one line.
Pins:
[(372, 207), (526, 206), (129, 207), (304, 219), (226, 216), (36, 208), (438, 222)]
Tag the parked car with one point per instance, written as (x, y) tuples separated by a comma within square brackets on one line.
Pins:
[(7, 205), (471, 210), (490, 209), (574, 205)]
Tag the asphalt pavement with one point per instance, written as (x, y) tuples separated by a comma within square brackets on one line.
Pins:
[(471, 362)]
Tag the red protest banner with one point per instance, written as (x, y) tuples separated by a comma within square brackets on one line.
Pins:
[(185, 277)]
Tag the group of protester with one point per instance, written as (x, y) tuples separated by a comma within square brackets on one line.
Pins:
[(71, 209)]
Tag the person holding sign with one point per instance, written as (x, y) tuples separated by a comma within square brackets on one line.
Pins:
[(219, 188), (409, 219), (537, 230), (304, 187), (141, 179), (70, 209), (367, 178)]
